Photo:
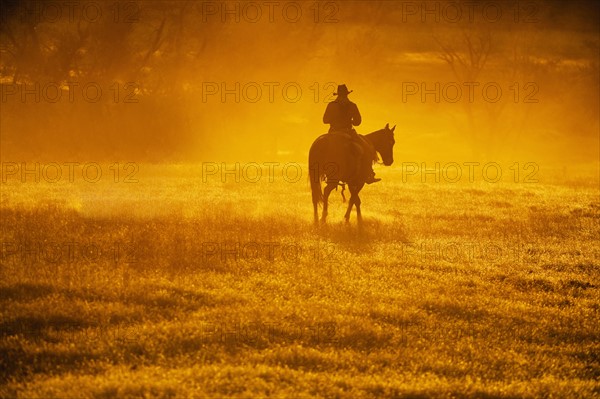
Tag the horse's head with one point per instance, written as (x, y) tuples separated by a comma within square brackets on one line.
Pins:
[(385, 144)]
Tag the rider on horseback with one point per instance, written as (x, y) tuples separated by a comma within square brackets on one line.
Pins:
[(341, 114)]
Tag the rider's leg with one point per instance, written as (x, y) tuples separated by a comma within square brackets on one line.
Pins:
[(367, 162), (358, 153)]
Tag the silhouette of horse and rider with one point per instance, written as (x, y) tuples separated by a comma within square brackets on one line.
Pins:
[(342, 156)]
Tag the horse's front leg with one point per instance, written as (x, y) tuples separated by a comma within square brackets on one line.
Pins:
[(357, 203), (351, 203), (349, 209), (358, 213), (328, 188)]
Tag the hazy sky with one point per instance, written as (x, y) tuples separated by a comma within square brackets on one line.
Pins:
[(250, 80)]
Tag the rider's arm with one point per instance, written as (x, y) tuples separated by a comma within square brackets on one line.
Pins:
[(356, 118), (327, 116)]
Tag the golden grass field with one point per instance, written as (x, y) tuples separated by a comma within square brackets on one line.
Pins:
[(175, 287)]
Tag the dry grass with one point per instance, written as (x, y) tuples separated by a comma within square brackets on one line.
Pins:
[(469, 290)]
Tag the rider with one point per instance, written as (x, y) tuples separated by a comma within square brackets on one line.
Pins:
[(341, 114)]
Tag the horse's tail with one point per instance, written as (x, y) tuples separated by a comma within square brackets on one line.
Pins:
[(314, 173)]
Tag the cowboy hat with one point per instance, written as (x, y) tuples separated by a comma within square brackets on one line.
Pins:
[(342, 90)]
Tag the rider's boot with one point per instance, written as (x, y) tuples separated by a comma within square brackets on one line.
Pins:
[(371, 178), (369, 173)]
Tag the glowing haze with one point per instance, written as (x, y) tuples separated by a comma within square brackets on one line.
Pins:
[(194, 80)]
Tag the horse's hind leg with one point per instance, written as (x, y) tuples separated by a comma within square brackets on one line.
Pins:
[(328, 188)]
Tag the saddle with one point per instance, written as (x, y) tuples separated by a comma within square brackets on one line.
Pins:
[(351, 138), (353, 152), (348, 132)]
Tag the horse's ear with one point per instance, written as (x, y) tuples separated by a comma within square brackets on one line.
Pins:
[(392, 129), (387, 125)]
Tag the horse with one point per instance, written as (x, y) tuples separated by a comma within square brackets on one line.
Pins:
[(330, 160)]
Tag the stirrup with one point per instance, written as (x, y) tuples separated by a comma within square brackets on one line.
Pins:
[(372, 179)]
